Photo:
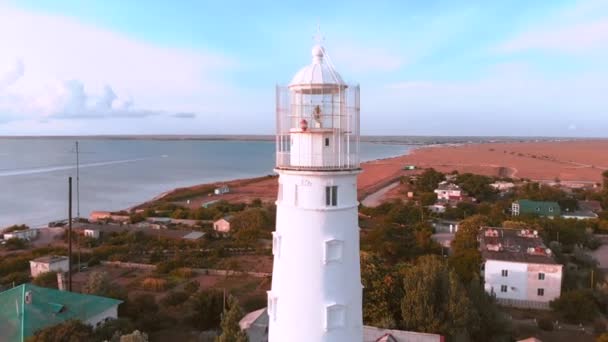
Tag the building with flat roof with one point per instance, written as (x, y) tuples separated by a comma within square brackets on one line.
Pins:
[(449, 192), (26, 309), (518, 269), (539, 208), (50, 263)]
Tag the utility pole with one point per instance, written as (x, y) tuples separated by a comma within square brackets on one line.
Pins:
[(77, 182), (70, 234)]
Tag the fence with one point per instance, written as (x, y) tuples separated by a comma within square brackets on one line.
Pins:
[(523, 304)]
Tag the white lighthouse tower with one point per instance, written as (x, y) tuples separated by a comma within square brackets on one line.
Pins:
[(316, 281)]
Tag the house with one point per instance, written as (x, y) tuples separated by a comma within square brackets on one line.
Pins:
[(518, 269), (449, 192), (26, 234), (255, 324), (503, 186), (52, 263), (99, 215), (26, 309), (222, 190), (92, 233), (594, 206), (580, 215), (223, 225), (437, 208), (540, 208)]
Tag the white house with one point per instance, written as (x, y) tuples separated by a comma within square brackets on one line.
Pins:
[(448, 192), (224, 189), (52, 263), (92, 233), (26, 234), (503, 186), (518, 269), (222, 225), (580, 215)]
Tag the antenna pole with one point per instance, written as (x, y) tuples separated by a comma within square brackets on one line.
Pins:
[(77, 181), (70, 234)]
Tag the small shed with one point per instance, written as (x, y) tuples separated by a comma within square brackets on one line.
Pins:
[(222, 225), (222, 190), (51, 263), (92, 233), (26, 234)]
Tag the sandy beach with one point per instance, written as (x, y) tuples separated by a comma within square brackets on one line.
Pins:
[(579, 161)]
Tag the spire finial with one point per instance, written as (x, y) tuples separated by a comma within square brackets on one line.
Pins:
[(318, 38)]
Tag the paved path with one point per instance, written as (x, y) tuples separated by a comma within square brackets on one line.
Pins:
[(375, 198)]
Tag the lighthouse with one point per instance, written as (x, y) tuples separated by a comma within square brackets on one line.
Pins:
[(316, 291)]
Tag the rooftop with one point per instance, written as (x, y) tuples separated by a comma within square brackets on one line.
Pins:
[(514, 245), (27, 308), (50, 259), (447, 186)]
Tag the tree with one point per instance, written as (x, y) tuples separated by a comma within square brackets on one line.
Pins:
[(98, 283), (428, 180), (14, 244), (135, 336), (576, 306), (605, 180), (465, 257), (46, 279), (434, 301), (207, 307), (231, 331), (381, 285), (251, 224), (477, 186), (68, 331)]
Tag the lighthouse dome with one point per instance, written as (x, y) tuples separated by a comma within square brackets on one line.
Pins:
[(319, 72)]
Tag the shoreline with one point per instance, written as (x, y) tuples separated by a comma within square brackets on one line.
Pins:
[(573, 161)]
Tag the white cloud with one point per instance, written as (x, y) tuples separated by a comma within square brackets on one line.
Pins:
[(69, 70), (580, 28), (14, 73)]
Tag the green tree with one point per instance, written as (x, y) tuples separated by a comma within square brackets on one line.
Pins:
[(434, 301), (46, 279), (465, 257), (381, 285), (14, 244), (207, 307), (477, 186), (231, 331), (428, 180), (605, 180), (251, 224), (68, 331), (576, 306)]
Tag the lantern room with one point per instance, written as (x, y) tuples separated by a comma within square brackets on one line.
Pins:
[(318, 119)]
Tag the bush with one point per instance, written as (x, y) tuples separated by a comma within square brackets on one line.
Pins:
[(183, 272), (545, 324), (154, 284), (175, 298), (576, 306), (46, 279), (192, 286)]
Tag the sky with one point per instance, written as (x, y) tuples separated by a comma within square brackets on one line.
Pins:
[(452, 68)]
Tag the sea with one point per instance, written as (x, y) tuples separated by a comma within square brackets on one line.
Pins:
[(116, 174)]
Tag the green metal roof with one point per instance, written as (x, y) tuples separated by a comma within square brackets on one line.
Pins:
[(542, 208), (21, 317)]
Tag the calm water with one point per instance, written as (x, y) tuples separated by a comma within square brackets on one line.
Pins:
[(116, 174)]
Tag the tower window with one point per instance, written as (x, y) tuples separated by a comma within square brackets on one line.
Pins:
[(335, 316), (276, 244), (504, 273), (540, 292), (331, 196), (326, 142), (272, 306), (503, 288), (333, 251), (541, 276)]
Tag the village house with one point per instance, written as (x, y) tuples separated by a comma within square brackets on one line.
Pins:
[(222, 225), (593, 206), (26, 309), (539, 208), (51, 263), (92, 233), (221, 190), (26, 234), (518, 269), (503, 186), (449, 192), (580, 215)]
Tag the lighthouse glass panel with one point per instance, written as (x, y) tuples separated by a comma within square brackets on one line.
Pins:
[(317, 127)]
